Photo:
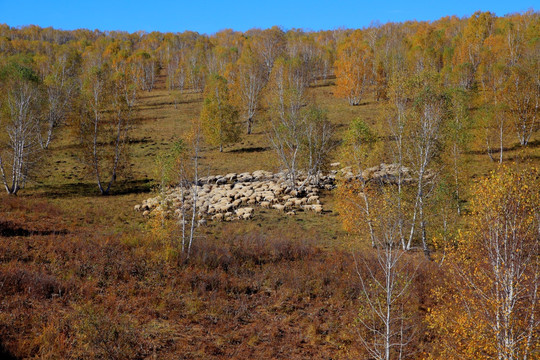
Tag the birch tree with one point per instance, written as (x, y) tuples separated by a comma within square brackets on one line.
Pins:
[(269, 44), (488, 305), (20, 107), (106, 118), (354, 202), (424, 145), (354, 69), (386, 326), (195, 139), (287, 97), (61, 87), (250, 82), (219, 117), (397, 118), (318, 142), (522, 97), (493, 75)]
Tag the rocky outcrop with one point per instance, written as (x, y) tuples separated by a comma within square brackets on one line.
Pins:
[(234, 196)]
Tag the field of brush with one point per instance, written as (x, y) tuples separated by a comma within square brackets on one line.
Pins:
[(86, 276)]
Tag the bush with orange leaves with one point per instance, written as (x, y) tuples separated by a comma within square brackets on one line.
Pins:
[(488, 306)]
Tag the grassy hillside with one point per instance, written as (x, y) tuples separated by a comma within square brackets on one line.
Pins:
[(82, 271)]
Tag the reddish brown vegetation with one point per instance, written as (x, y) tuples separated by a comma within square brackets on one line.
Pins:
[(244, 295)]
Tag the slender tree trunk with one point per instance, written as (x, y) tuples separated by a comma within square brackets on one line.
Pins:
[(501, 133), (488, 147), (183, 199), (249, 125), (456, 178), (423, 226), (95, 156), (195, 191)]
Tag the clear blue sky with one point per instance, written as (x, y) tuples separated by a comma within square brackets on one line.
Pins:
[(212, 15)]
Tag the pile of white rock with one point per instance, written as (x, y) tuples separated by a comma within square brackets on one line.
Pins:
[(235, 196), (383, 174)]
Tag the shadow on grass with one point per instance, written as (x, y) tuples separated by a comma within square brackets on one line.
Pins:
[(524, 158), (249, 150), (190, 101), (8, 229), (86, 189), (143, 140), (5, 354), (323, 84), (140, 119), (160, 104), (147, 95), (496, 150)]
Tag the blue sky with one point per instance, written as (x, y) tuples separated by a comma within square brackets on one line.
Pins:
[(211, 16)]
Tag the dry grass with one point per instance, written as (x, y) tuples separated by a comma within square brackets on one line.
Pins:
[(83, 277), (159, 122)]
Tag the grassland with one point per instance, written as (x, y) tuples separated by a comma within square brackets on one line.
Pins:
[(86, 276)]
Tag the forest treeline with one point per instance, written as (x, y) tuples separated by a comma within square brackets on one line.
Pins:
[(451, 269), (91, 78)]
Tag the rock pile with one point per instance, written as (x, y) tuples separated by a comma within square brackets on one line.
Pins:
[(235, 196), (383, 173)]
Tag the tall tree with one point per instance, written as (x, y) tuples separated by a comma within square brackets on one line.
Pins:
[(219, 117), (522, 95), (250, 82), (300, 132), (488, 305), (106, 118), (357, 153), (287, 98), (398, 119), (354, 68), (424, 145), (61, 86), (20, 109), (146, 69), (269, 44), (492, 78), (458, 133), (468, 53), (318, 142), (386, 319)]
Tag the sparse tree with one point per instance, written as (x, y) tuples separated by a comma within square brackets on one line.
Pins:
[(488, 305), (219, 117), (61, 87), (106, 118), (428, 114), (386, 275), (20, 109), (318, 142), (251, 79), (287, 98), (354, 69)]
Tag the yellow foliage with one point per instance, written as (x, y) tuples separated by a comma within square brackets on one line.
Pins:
[(479, 314)]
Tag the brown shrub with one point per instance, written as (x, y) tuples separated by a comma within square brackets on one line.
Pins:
[(15, 279)]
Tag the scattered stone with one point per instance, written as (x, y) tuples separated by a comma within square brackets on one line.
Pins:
[(234, 196)]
